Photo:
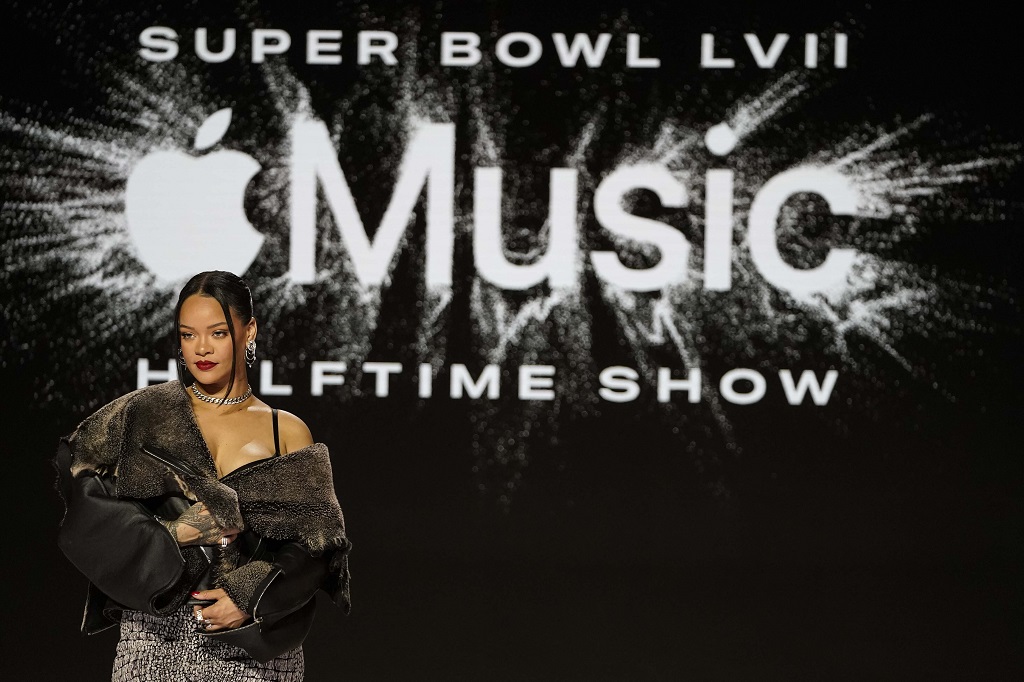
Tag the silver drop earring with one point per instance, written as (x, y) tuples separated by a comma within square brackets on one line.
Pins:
[(250, 353), (181, 358)]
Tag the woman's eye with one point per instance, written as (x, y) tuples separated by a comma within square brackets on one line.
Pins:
[(186, 335), (220, 333)]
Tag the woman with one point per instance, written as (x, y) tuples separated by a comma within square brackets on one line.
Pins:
[(204, 520)]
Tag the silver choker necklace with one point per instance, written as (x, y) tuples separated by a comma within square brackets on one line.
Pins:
[(217, 401)]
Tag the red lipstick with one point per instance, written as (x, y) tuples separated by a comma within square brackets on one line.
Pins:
[(205, 365)]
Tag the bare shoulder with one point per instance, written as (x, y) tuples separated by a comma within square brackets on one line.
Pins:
[(295, 435)]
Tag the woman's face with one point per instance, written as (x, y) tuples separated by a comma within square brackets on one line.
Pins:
[(206, 343)]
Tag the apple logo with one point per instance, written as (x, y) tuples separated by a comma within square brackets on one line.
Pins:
[(185, 214)]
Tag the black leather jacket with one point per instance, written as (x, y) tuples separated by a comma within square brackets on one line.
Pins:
[(111, 534), (132, 562)]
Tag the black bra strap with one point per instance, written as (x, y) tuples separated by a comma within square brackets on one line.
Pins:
[(277, 444)]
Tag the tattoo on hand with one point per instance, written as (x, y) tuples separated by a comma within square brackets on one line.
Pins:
[(209, 532), (172, 528)]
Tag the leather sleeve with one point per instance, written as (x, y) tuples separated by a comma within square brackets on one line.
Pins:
[(294, 578), (116, 543)]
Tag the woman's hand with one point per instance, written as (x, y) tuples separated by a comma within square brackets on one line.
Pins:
[(196, 526), (220, 616)]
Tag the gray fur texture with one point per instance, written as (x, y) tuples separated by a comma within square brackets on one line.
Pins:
[(241, 583), (283, 498)]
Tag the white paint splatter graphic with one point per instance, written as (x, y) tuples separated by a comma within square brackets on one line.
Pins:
[(66, 250)]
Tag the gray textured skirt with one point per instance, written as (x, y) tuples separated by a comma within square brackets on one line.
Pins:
[(171, 649)]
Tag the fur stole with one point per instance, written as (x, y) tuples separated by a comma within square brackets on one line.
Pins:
[(290, 497)]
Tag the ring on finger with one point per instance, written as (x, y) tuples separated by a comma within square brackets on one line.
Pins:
[(199, 615)]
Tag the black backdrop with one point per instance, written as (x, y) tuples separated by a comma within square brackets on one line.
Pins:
[(877, 537)]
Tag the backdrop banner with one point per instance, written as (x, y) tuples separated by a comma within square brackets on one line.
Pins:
[(650, 340)]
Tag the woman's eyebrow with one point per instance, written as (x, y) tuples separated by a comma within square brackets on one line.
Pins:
[(215, 324)]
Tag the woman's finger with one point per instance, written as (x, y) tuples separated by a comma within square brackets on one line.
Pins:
[(214, 594), (228, 536), (202, 619), (223, 615)]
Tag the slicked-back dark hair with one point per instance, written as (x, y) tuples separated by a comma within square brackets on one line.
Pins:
[(233, 294)]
